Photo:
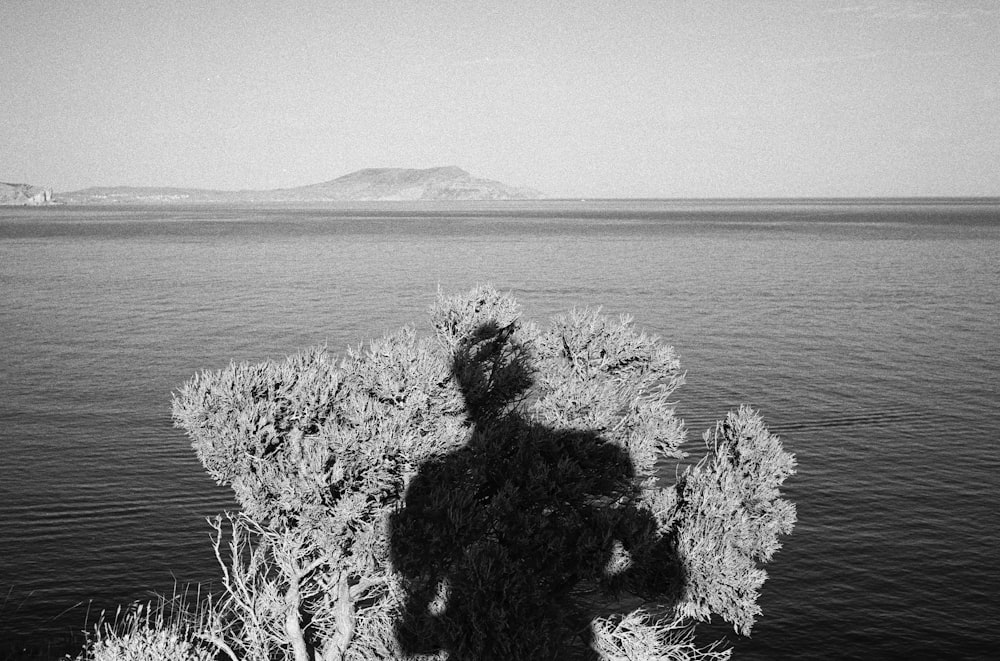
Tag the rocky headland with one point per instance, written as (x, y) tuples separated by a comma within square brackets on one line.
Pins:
[(372, 184), (24, 195)]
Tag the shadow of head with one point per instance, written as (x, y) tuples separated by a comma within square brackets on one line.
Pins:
[(493, 369)]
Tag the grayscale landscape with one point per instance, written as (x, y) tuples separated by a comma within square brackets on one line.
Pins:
[(611, 331)]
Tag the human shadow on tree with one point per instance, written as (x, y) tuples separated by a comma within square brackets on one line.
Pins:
[(510, 546)]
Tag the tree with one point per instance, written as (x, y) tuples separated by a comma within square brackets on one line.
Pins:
[(490, 492)]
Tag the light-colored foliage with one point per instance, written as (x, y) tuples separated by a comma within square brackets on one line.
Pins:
[(160, 631), (731, 515), (478, 493), (636, 636)]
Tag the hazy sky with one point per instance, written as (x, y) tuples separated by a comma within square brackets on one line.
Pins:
[(578, 98)]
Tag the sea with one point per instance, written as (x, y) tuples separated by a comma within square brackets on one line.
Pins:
[(867, 332)]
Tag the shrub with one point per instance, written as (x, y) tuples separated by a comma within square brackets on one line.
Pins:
[(159, 631), (491, 492)]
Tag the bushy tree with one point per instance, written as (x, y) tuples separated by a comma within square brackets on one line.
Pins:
[(489, 492)]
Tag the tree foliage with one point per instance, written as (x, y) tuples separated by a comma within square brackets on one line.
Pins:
[(492, 491)]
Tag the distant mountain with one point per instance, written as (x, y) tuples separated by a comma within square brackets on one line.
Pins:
[(24, 195), (377, 184), (447, 183)]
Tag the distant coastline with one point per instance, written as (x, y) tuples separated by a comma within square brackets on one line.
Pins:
[(372, 184), (439, 184), (24, 195)]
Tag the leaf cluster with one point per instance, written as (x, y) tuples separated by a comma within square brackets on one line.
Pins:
[(729, 516)]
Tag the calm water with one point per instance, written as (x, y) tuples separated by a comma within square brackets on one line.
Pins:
[(867, 333)]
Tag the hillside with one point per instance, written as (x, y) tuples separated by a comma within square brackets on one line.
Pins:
[(24, 195), (445, 183), (373, 184)]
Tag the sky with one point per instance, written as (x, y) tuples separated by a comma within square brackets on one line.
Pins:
[(657, 98)]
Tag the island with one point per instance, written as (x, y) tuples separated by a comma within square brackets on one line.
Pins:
[(371, 184)]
